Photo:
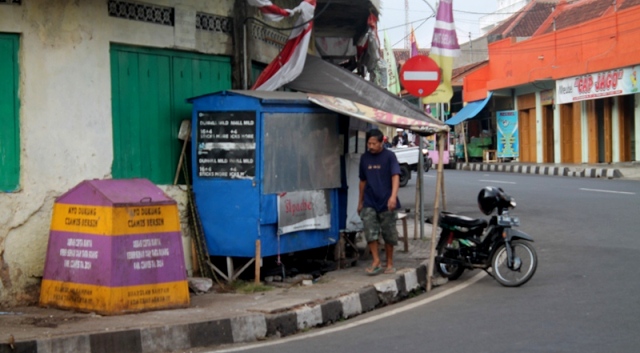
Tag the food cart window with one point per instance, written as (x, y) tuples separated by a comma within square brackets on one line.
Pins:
[(301, 152)]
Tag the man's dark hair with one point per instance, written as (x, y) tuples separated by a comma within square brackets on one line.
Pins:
[(375, 133)]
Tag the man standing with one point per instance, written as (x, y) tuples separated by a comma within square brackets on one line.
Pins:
[(378, 199)]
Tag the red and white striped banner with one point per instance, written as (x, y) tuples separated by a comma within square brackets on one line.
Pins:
[(290, 61), (270, 11)]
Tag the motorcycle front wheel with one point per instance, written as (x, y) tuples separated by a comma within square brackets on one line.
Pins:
[(508, 277), (427, 164)]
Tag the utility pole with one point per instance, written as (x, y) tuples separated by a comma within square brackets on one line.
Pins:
[(407, 45)]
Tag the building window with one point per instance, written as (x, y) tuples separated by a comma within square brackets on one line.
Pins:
[(214, 23), (142, 12), (9, 114)]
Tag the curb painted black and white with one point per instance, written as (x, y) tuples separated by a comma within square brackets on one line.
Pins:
[(241, 329), (587, 172)]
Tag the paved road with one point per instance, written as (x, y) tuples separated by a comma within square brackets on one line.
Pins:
[(584, 297)]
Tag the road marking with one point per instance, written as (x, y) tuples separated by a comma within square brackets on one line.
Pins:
[(609, 191), (498, 181), (370, 319)]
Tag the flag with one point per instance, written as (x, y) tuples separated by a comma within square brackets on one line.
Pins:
[(393, 81), (290, 61), (270, 11), (444, 47), (414, 45)]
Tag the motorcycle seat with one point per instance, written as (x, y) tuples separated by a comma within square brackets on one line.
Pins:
[(463, 221)]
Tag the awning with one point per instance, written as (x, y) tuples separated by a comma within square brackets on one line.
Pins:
[(469, 111), (332, 86), (373, 115)]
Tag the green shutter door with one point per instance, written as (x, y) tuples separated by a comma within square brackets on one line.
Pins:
[(9, 118), (150, 88)]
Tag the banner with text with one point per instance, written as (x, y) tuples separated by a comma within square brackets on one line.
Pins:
[(302, 210), (598, 85)]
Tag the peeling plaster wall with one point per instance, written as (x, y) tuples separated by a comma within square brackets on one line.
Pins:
[(65, 114)]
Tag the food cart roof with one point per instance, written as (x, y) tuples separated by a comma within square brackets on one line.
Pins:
[(330, 86)]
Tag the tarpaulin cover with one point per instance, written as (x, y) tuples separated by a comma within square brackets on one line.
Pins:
[(323, 78)]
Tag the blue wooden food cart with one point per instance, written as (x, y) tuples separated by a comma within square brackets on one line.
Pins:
[(268, 173)]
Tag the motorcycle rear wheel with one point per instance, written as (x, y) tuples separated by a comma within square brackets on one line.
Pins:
[(515, 278), (450, 271)]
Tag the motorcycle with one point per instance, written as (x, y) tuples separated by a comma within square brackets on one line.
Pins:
[(468, 243)]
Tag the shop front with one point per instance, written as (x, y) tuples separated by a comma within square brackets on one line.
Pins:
[(599, 116)]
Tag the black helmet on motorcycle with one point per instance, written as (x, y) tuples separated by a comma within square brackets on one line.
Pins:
[(488, 199)]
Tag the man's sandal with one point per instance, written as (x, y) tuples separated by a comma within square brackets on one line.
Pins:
[(372, 271), (390, 270)]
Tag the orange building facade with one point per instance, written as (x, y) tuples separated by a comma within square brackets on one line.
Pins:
[(574, 89)]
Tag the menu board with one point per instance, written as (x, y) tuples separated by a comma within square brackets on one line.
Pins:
[(226, 144)]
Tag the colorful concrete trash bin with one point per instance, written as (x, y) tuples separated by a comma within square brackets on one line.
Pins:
[(115, 247)]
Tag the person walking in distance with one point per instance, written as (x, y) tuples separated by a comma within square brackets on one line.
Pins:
[(378, 200)]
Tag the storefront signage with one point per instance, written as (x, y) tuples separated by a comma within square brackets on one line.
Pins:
[(302, 210), (598, 85), (508, 142), (226, 144), (546, 97)]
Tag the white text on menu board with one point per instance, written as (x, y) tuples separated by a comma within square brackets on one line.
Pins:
[(233, 135), (227, 123)]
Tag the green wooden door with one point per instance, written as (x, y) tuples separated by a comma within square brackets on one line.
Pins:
[(9, 113), (149, 90)]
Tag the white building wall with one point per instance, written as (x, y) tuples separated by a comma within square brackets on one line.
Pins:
[(539, 136), (557, 134), (584, 123), (65, 112)]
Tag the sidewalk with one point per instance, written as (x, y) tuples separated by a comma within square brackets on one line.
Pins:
[(222, 318), (622, 170)]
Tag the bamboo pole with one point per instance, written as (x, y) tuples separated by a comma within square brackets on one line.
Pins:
[(258, 263), (417, 209), (421, 187), (436, 214), (464, 141)]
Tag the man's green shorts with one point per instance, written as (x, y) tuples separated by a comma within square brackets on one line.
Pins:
[(376, 223)]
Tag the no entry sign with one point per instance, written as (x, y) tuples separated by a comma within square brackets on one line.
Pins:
[(420, 75)]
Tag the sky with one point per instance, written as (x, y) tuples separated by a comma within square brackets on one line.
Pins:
[(466, 15)]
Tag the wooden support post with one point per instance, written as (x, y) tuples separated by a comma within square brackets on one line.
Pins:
[(195, 265), (464, 141), (444, 199), (256, 278), (416, 212), (436, 215), (405, 237), (230, 269)]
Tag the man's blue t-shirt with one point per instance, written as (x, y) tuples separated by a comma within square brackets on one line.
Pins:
[(377, 170)]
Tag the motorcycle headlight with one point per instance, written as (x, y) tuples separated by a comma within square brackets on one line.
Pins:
[(512, 203)]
